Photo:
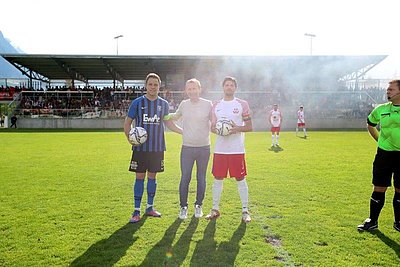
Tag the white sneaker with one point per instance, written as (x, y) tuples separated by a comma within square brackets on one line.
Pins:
[(246, 217), (198, 212), (183, 213)]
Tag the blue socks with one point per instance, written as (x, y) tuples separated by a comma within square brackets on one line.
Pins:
[(138, 189), (151, 191)]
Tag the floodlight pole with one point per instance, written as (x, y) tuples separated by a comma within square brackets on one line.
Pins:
[(311, 37), (116, 38)]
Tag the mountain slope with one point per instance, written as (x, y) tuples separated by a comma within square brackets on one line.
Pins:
[(6, 69)]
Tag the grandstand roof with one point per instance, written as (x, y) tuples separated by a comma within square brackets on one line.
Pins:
[(98, 67)]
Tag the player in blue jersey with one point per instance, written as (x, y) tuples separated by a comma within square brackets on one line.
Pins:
[(150, 112)]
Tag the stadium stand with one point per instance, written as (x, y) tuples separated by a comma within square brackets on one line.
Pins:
[(329, 86)]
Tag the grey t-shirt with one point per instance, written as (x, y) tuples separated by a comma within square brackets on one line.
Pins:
[(196, 118)]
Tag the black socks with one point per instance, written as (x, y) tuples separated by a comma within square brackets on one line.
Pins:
[(376, 204), (396, 206)]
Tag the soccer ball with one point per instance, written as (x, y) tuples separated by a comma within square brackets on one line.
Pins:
[(138, 135), (223, 127)]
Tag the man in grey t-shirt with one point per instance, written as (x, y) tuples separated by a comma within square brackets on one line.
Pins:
[(195, 113)]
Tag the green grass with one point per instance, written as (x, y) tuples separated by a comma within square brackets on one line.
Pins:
[(66, 198)]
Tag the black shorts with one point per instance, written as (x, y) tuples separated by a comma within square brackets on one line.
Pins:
[(386, 165), (147, 161)]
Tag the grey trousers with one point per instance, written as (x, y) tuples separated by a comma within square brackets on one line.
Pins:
[(190, 155)]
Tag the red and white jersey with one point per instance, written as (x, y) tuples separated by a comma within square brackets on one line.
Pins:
[(275, 117), (238, 111), (300, 116)]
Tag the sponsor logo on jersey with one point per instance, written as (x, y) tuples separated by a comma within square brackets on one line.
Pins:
[(151, 120), (235, 110)]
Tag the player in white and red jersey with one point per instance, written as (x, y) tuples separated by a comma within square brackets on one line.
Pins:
[(275, 119), (301, 123), (229, 151)]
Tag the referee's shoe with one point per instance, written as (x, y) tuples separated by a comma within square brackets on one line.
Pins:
[(396, 226), (369, 225)]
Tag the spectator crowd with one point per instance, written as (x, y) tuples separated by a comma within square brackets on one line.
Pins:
[(65, 101)]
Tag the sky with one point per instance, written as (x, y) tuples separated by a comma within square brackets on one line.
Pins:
[(207, 27)]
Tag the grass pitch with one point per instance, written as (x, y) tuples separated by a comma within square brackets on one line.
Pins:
[(66, 198)]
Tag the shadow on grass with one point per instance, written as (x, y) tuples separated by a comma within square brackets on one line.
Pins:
[(161, 254), (109, 251), (207, 253), (181, 248), (275, 149), (302, 137), (389, 242)]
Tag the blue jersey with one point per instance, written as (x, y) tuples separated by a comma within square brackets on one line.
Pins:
[(150, 115)]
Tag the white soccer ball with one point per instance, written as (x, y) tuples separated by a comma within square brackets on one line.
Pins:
[(138, 135), (223, 127)]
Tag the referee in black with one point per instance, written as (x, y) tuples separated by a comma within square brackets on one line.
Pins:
[(387, 160)]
